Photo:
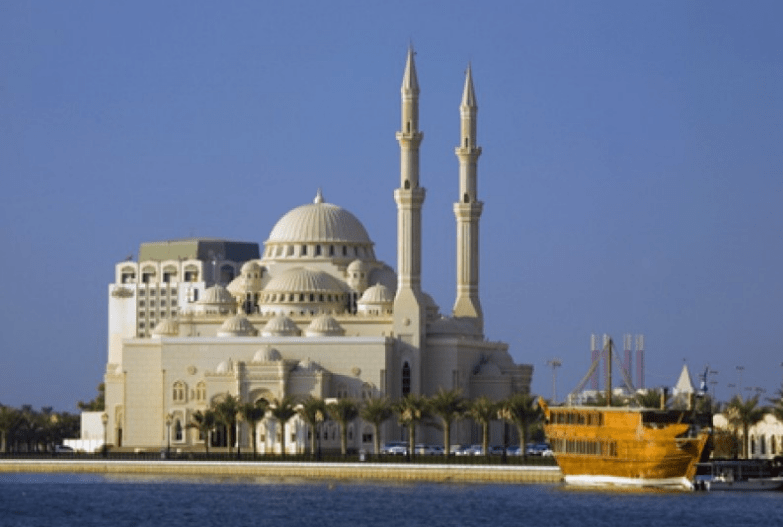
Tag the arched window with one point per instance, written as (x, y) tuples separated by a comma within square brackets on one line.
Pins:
[(406, 379), (178, 393), (201, 392)]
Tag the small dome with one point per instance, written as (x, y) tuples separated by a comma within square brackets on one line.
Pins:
[(431, 309), (377, 294), (357, 266), (167, 327), (224, 367), (250, 267), (216, 295), (237, 326), (280, 326), (324, 325), (308, 365), (267, 354), (489, 369)]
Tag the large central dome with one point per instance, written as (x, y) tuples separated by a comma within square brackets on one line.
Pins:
[(319, 222)]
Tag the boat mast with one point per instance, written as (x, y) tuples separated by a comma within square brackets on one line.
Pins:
[(608, 351)]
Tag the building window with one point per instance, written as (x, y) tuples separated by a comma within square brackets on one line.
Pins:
[(178, 393), (406, 379), (177, 430), (318, 250), (201, 392), (304, 250)]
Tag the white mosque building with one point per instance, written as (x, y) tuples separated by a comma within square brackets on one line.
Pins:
[(313, 314)]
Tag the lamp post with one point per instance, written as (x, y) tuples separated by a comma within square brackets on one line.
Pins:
[(739, 386), (105, 421), (239, 424), (169, 418), (319, 419)]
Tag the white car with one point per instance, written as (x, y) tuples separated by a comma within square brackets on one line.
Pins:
[(395, 448)]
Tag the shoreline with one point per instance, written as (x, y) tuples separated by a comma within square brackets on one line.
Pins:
[(305, 470)]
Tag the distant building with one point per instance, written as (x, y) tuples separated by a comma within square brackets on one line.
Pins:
[(314, 314), (765, 438)]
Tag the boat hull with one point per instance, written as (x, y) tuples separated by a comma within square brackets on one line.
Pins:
[(676, 483)]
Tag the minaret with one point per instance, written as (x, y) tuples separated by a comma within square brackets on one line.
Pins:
[(408, 303), (468, 210)]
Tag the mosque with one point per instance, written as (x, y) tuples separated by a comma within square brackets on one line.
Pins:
[(314, 313)]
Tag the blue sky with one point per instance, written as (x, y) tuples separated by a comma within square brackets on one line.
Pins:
[(631, 171)]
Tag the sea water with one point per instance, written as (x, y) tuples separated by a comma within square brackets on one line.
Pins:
[(31, 500)]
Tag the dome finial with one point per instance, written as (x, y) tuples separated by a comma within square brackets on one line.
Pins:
[(319, 197)]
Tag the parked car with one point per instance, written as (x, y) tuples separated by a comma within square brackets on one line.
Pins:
[(395, 448), (496, 450), (538, 449), (424, 450), (456, 450), (513, 451), (437, 449), (475, 450), (63, 449)]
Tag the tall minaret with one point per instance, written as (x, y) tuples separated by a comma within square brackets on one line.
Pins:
[(468, 210), (408, 303)]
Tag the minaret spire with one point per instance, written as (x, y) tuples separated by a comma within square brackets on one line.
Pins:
[(468, 209), (408, 301)]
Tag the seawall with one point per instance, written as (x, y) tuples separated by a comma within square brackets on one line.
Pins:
[(368, 471)]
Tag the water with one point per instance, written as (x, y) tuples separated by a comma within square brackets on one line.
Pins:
[(31, 500)]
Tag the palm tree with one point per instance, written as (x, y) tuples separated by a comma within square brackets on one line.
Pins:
[(10, 419), (343, 411), (375, 411), (252, 413), (448, 405), (411, 410), (226, 414), (204, 422), (483, 410), (522, 410), (777, 408), (283, 410), (744, 413), (312, 411)]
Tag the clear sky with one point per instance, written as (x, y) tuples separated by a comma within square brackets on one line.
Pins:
[(631, 172)]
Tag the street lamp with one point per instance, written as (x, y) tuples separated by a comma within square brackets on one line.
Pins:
[(169, 418), (105, 421), (319, 419)]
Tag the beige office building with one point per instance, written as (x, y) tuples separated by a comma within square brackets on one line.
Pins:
[(313, 314)]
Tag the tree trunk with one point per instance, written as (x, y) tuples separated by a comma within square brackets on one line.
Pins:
[(344, 439), (446, 437)]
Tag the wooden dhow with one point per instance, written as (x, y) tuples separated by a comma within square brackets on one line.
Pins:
[(624, 446)]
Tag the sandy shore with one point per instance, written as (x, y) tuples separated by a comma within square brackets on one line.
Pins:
[(370, 471)]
